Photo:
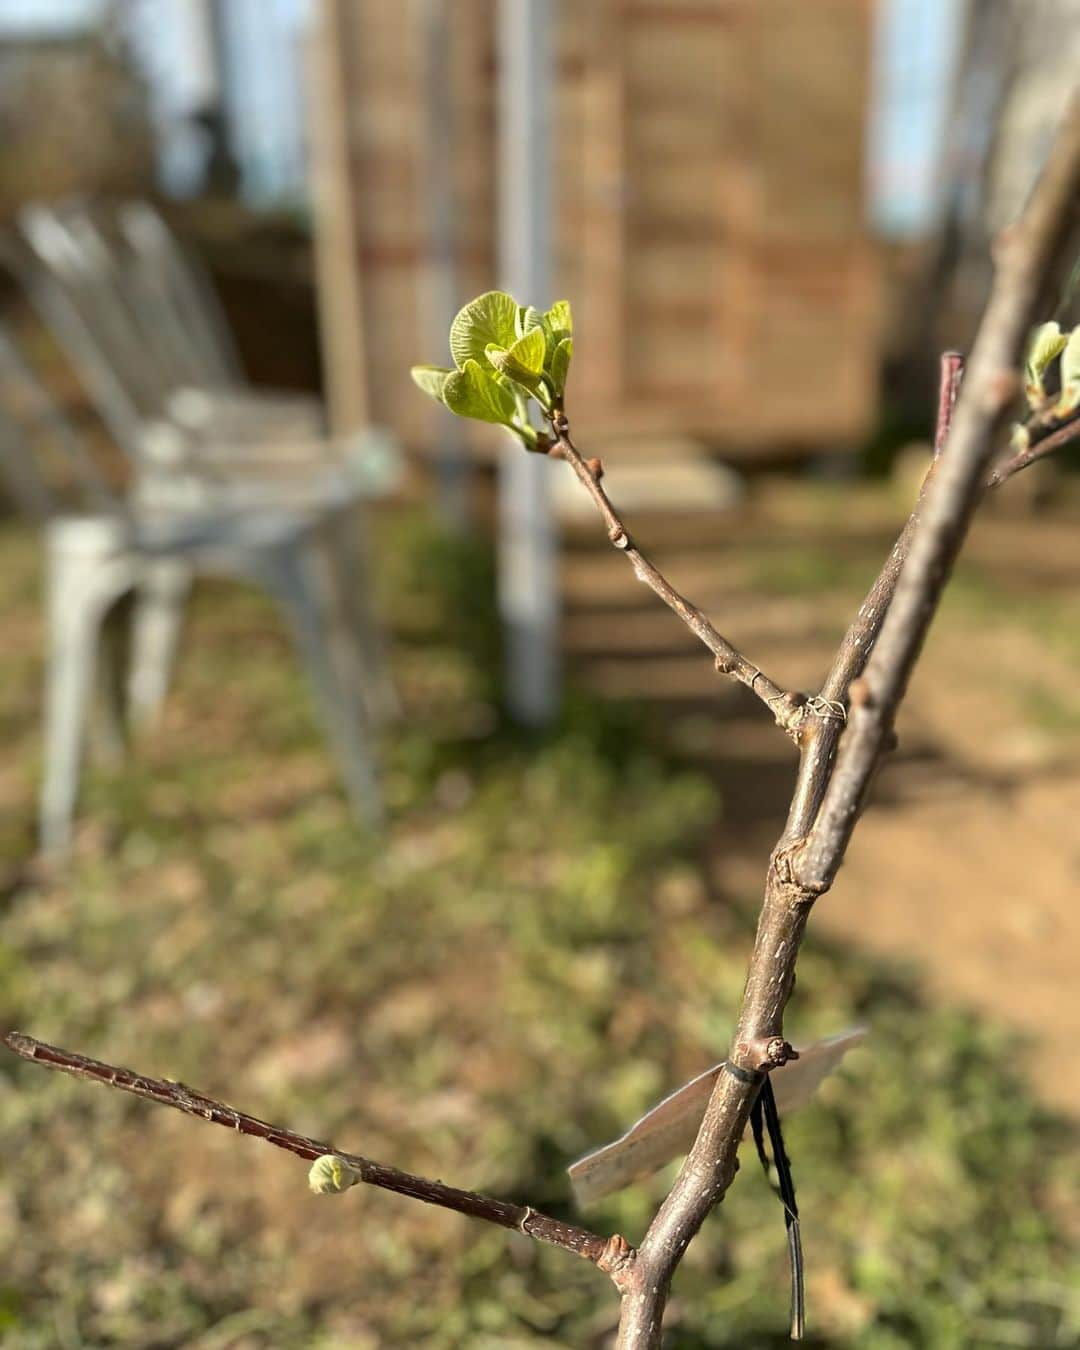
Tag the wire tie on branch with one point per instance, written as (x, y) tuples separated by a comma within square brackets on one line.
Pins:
[(827, 708), (765, 1116), (747, 1076)]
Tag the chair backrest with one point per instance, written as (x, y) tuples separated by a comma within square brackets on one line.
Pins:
[(98, 338), (100, 279), (182, 288), (131, 277), (137, 317), (45, 463)]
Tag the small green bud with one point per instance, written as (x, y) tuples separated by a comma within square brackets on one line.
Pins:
[(1070, 374), (329, 1175), (1044, 346)]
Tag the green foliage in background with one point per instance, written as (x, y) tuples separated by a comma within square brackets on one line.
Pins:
[(531, 956)]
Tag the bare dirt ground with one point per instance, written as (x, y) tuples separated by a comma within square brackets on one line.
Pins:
[(967, 864)]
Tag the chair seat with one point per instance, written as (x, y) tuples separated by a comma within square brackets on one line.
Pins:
[(236, 532), (246, 412), (94, 537)]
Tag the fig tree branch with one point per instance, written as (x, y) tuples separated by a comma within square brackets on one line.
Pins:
[(1026, 259), (712, 1163), (786, 707), (610, 1254), (858, 641), (828, 796), (1056, 440)]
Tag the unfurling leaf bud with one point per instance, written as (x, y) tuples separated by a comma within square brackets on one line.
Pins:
[(1044, 346), (330, 1175), (505, 355)]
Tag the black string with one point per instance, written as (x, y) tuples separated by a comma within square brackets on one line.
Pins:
[(765, 1117)]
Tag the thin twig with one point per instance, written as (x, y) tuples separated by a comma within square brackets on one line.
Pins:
[(858, 641), (610, 1254), (826, 799), (787, 708), (1057, 440)]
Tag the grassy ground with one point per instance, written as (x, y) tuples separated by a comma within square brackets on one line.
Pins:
[(528, 958)]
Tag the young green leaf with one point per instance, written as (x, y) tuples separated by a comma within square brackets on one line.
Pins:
[(529, 351), (528, 318), (430, 379), (474, 392), (524, 362), (1047, 341), (490, 318), (1070, 372), (560, 365), (560, 320)]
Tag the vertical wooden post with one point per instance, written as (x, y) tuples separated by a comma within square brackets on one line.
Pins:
[(528, 554), (339, 282), (603, 318), (438, 283)]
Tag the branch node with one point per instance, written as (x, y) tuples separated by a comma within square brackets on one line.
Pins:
[(789, 710), (618, 536), (828, 709), (617, 1260), (780, 1052), (765, 1053), (785, 869), (596, 467)]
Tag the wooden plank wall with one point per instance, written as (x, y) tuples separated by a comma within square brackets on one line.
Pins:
[(709, 192)]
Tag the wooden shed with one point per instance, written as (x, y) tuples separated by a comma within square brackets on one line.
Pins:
[(709, 197)]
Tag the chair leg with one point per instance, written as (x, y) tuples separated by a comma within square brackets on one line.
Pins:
[(86, 574), (70, 677), (162, 593), (109, 729), (303, 578)]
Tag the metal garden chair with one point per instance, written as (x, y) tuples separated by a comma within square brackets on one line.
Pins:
[(174, 302), (293, 535), (114, 286), (140, 324)]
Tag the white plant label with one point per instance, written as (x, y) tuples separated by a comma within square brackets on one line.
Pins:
[(671, 1127)]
